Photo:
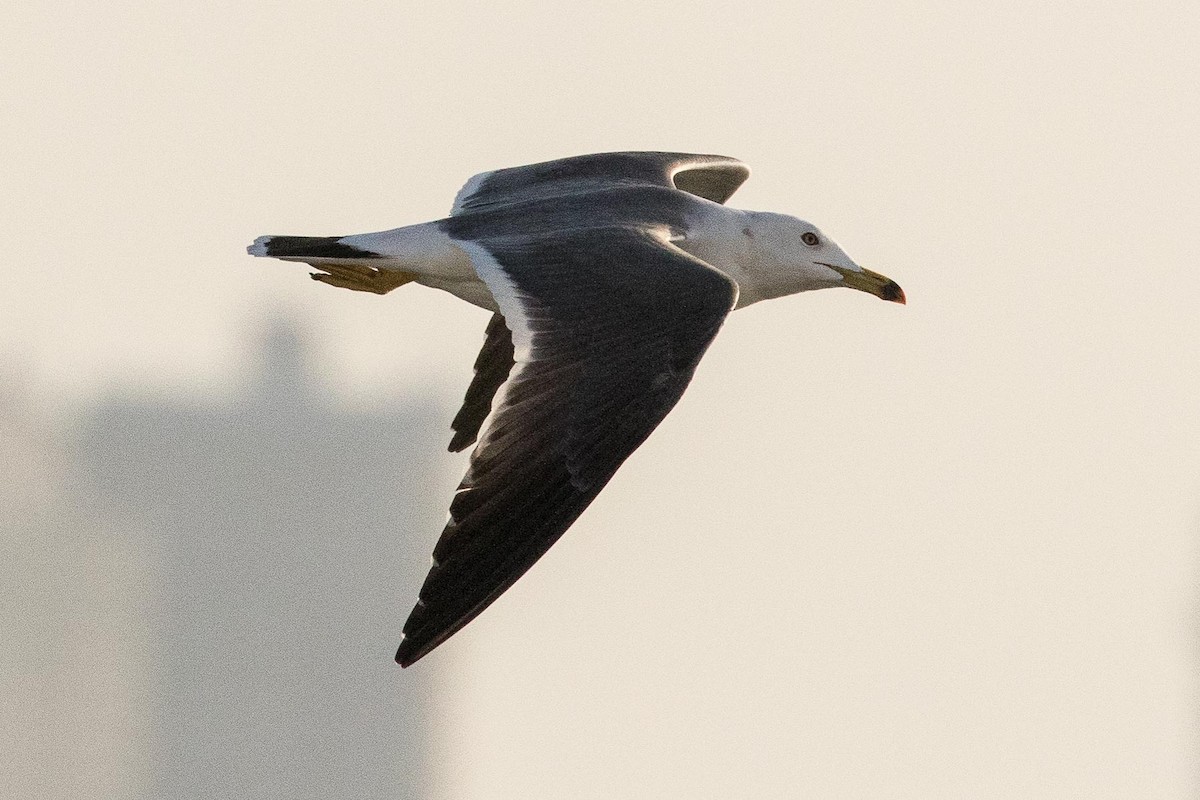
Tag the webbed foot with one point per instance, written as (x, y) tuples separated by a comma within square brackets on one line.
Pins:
[(362, 279)]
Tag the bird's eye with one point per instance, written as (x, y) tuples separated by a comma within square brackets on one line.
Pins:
[(810, 239)]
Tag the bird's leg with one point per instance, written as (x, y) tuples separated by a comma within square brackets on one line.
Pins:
[(362, 279)]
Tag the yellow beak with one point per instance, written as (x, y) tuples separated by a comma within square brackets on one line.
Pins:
[(870, 282)]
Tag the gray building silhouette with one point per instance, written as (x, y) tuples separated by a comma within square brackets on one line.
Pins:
[(287, 536)]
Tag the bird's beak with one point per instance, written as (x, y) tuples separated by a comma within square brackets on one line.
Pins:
[(865, 280)]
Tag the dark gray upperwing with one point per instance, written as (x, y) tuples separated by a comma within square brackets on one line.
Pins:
[(492, 366), (714, 178), (610, 325)]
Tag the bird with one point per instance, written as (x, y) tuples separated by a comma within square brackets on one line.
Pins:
[(608, 275)]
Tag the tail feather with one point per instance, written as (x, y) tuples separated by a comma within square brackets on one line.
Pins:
[(340, 264), (306, 247)]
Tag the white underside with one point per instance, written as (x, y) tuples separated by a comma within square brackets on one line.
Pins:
[(437, 260)]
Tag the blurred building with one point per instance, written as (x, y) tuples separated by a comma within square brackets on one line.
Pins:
[(257, 560), (68, 620)]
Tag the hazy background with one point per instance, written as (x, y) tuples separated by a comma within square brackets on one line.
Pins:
[(941, 550)]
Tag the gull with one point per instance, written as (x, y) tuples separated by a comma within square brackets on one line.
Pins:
[(607, 276)]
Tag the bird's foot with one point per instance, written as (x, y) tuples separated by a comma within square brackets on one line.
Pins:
[(362, 279)]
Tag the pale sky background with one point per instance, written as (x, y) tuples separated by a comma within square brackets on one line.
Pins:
[(942, 550)]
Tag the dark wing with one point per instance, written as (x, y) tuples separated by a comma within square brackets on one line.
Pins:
[(714, 178), (492, 366), (608, 327)]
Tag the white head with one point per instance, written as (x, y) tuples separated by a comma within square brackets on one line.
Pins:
[(788, 255)]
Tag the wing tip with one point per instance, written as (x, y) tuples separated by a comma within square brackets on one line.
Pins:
[(419, 638), (413, 648), (460, 441), (405, 656)]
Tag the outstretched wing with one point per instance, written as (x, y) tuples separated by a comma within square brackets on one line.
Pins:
[(714, 178), (608, 326)]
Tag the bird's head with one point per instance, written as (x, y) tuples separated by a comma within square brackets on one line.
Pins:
[(799, 257)]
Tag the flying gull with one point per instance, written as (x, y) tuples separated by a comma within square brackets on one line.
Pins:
[(608, 276)]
